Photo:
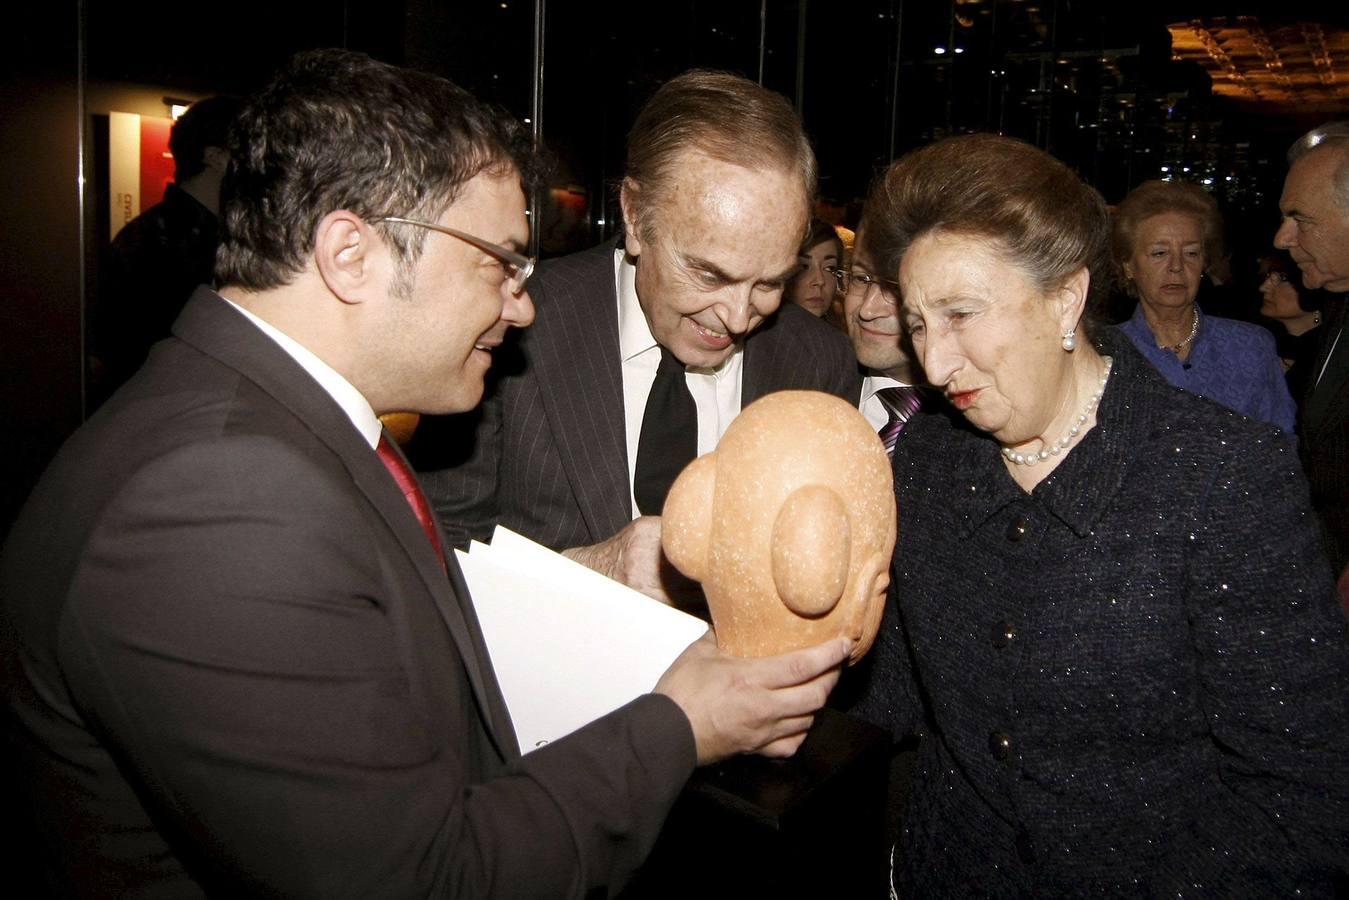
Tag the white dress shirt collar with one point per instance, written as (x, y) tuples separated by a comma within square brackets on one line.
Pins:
[(870, 406), (344, 394), (873, 383), (634, 334)]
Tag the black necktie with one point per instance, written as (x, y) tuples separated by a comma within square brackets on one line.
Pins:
[(669, 438)]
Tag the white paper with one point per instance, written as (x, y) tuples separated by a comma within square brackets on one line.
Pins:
[(568, 645)]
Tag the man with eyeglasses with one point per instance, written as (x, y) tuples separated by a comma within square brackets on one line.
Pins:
[(644, 353), (238, 658), (871, 312)]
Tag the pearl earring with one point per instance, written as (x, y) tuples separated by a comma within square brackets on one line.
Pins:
[(1070, 340)]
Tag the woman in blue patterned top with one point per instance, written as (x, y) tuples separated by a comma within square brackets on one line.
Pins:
[(1165, 234)]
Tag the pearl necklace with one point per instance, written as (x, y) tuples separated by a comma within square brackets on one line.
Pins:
[(1194, 329), (1054, 449)]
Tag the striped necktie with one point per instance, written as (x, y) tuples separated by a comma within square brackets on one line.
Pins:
[(900, 404)]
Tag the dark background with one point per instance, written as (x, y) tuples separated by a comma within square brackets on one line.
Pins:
[(1093, 82)]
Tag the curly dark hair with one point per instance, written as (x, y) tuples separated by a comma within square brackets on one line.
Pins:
[(337, 130)]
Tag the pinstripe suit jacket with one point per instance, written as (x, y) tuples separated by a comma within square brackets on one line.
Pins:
[(546, 454)]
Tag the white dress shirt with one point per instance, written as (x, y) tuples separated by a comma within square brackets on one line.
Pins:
[(871, 405), (716, 392), (344, 394)]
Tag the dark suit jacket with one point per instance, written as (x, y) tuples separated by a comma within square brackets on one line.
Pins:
[(234, 664), (1323, 432), (547, 453)]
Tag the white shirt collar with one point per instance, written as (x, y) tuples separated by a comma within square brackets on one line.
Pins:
[(344, 394), (634, 334), (873, 383), (870, 405)]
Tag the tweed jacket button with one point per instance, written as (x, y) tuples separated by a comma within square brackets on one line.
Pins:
[(1000, 745), (1017, 530), (1001, 634)]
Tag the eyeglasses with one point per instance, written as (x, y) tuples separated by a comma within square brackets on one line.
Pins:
[(518, 267), (1276, 277), (846, 280)]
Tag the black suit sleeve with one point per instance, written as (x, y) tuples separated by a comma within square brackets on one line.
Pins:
[(239, 633), (847, 375), (833, 359), (796, 351)]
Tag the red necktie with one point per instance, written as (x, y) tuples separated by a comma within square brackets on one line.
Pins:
[(412, 492)]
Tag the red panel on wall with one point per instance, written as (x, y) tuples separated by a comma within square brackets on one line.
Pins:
[(156, 160)]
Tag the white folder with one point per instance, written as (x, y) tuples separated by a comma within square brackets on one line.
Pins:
[(568, 644)]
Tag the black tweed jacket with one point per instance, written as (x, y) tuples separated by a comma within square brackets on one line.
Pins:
[(1133, 680)]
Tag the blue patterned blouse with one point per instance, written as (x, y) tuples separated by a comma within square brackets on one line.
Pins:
[(1231, 362)]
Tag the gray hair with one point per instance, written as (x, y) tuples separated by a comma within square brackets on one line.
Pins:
[(1334, 135), (725, 116)]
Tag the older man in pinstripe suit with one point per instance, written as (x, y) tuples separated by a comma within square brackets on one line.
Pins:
[(643, 353)]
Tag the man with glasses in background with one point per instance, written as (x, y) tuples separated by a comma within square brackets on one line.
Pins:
[(643, 353), (871, 313), (238, 658)]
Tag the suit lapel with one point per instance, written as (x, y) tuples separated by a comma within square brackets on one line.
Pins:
[(216, 329), (1324, 404), (575, 354), (455, 605), (774, 360)]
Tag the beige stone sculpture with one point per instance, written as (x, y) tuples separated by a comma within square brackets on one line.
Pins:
[(789, 525)]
